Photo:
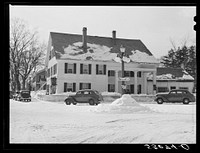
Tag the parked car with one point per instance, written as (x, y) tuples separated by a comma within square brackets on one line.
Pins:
[(175, 96), (15, 95), (22, 95), (90, 96)]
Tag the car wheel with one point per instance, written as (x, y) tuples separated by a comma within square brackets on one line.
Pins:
[(74, 103), (68, 102), (91, 102), (159, 100), (186, 101)]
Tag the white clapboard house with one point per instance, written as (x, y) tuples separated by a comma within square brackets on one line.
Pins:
[(81, 61)]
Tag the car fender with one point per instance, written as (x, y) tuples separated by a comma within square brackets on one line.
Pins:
[(163, 98), (70, 98)]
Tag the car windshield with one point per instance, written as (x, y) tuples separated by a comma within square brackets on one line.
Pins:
[(25, 92), (96, 92)]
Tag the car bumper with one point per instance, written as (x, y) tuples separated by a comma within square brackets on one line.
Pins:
[(25, 98)]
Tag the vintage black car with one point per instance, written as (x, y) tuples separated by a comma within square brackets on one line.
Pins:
[(92, 97), (22, 95), (178, 95)]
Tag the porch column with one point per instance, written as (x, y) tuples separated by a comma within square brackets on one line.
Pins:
[(135, 82), (145, 82), (116, 81), (154, 82)]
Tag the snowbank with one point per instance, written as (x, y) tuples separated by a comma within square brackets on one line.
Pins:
[(125, 104)]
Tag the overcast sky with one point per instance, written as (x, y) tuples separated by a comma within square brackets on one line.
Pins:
[(154, 26)]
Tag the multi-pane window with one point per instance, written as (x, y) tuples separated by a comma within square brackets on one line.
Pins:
[(100, 69), (85, 68), (111, 88), (127, 73), (162, 89), (185, 88), (172, 87), (111, 73), (131, 74), (85, 86), (139, 74), (69, 87), (70, 68)]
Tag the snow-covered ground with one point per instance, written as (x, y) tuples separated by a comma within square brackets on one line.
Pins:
[(122, 121)]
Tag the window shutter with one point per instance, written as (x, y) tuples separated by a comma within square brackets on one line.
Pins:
[(74, 87), (65, 87), (81, 68), (132, 88), (90, 66), (108, 87), (97, 68), (89, 85), (74, 68), (65, 67), (104, 68), (80, 87)]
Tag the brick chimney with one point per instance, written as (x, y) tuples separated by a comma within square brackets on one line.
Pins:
[(84, 39), (114, 37)]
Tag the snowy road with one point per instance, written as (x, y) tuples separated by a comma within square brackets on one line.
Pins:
[(48, 122)]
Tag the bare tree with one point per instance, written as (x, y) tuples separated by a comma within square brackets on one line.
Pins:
[(25, 51), (31, 60)]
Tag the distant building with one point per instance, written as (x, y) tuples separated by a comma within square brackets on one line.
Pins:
[(171, 78), (76, 62), (39, 80)]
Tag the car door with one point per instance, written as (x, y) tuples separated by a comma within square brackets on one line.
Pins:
[(86, 96), (172, 96), (79, 96), (179, 96)]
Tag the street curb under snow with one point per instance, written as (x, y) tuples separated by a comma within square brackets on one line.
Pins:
[(107, 97)]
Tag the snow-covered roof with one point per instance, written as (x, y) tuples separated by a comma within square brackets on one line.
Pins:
[(99, 48), (170, 74)]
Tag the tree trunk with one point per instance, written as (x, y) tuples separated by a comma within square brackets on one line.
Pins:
[(23, 83), (17, 84)]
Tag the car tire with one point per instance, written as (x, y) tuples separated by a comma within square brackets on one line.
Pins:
[(74, 103), (186, 101), (159, 100), (67, 102), (91, 102)]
